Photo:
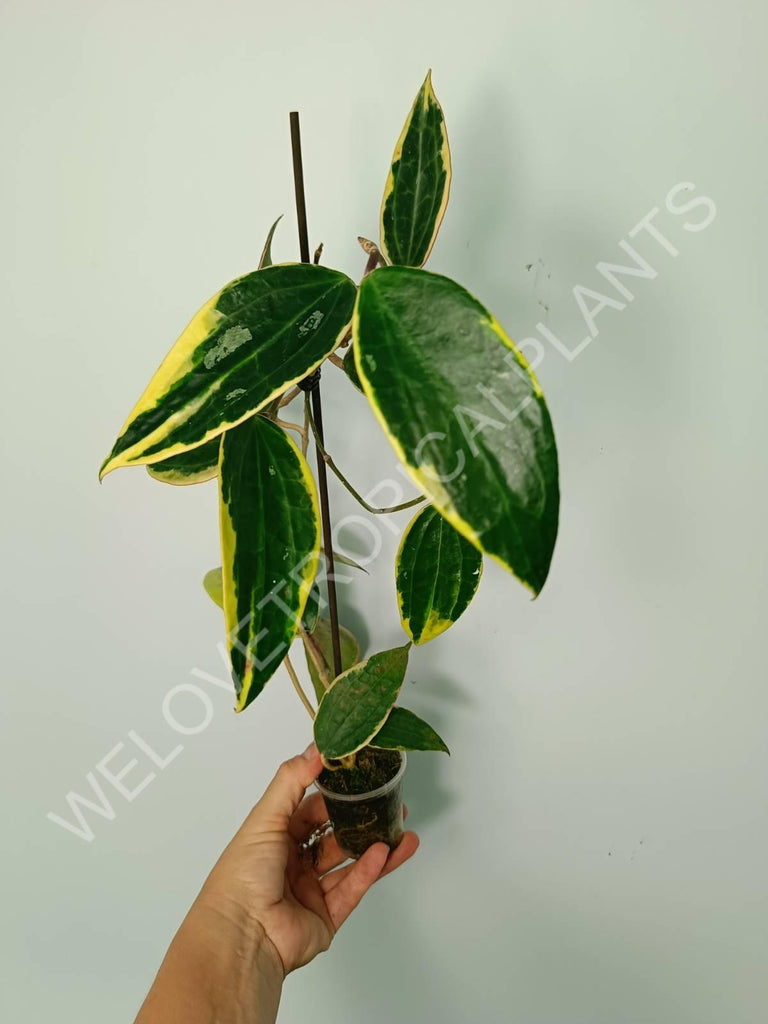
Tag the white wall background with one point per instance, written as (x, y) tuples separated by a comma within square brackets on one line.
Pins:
[(595, 848)]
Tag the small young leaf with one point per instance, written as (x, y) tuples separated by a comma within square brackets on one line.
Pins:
[(464, 413), (270, 541), (358, 702), (214, 586), (346, 560), (350, 653), (416, 192), (405, 731), (191, 467), (256, 337), (266, 253), (437, 572)]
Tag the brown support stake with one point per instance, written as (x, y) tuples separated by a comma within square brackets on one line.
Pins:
[(312, 385)]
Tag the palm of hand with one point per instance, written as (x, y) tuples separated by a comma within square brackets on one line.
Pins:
[(299, 903)]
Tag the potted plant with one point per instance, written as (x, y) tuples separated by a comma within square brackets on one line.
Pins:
[(462, 410)]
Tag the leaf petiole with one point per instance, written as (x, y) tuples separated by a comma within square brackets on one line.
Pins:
[(355, 494), (298, 688)]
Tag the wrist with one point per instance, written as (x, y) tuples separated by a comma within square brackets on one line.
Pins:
[(236, 942), (221, 968)]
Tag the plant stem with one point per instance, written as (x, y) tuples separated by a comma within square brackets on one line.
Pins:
[(316, 420), (358, 497), (289, 397), (305, 435), (290, 426), (311, 385), (297, 687), (318, 658)]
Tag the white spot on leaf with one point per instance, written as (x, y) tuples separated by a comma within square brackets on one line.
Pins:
[(230, 340), (311, 323)]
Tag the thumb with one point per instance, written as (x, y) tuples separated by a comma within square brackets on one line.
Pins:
[(286, 790)]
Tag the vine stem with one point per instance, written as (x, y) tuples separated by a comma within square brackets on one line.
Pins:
[(311, 385), (305, 433), (301, 431), (289, 396), (318, 660), (298, 688), (355, 494)]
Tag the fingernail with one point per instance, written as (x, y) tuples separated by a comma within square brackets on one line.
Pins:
[(310, 752)]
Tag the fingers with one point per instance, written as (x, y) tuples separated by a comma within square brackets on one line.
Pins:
[(331, 854), (286, 790), (357, 880), (310, 813), (405, 849)]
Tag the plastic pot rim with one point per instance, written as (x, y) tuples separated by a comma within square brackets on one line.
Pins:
[(357, 797)]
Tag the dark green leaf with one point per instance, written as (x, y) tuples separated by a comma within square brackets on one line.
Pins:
[(405, 731), (310, 617), (191, 467), (270, 540), (416, 192), (350, 653), (437, 572), (358, 702), (256, 337), (464, 413), (351, 370)]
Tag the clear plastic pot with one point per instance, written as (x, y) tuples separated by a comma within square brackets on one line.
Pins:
[(361, 819)]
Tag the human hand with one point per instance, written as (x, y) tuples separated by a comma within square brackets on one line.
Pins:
[(299, 901), (265, 909)]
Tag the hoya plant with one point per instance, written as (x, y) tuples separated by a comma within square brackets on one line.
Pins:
[(458, 403)]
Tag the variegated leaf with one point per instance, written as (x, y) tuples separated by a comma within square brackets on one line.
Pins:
[(358, 702), (416, 192), (256, 337), (464, 413), (191, 467), (437, 572), (214, 588), (270, 541), (197, 465)]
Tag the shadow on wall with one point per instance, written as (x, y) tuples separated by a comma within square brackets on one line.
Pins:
[(424, 789), (438, 699), (484, 194)]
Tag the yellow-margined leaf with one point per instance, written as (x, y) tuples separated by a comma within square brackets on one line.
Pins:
[(437, 572), (416, 192), (270, 541), (256, 337)]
